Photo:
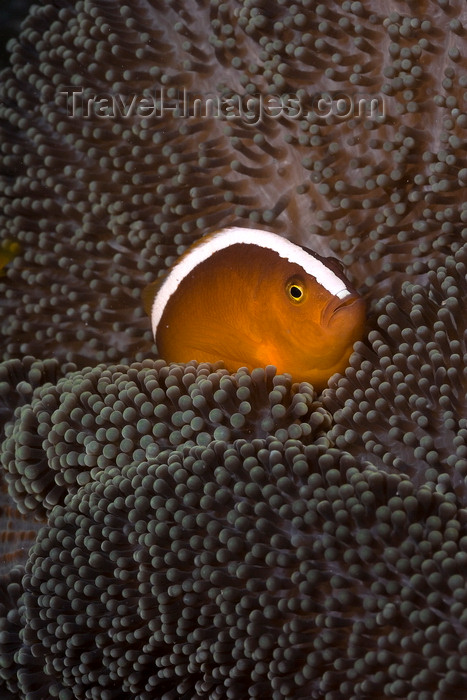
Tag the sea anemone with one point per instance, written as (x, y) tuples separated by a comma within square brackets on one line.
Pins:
[(246, 570), (178, 532), (94, 419)]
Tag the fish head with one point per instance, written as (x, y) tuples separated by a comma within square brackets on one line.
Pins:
[(309, 332)]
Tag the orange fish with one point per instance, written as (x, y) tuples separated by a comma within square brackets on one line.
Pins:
[(9, 249), (252, 298)]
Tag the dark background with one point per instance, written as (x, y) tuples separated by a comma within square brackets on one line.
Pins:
[(12, 12)]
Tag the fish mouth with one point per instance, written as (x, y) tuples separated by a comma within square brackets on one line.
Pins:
[(351, 304)]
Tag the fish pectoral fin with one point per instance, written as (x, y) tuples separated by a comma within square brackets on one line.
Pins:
[(268, 354)]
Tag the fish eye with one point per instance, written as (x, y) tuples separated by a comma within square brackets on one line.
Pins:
[(295, 290)]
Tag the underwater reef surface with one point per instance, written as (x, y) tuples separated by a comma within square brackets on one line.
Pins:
[(178, 532)]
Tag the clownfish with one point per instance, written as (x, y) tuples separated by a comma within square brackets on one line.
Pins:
[(252, 298)]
